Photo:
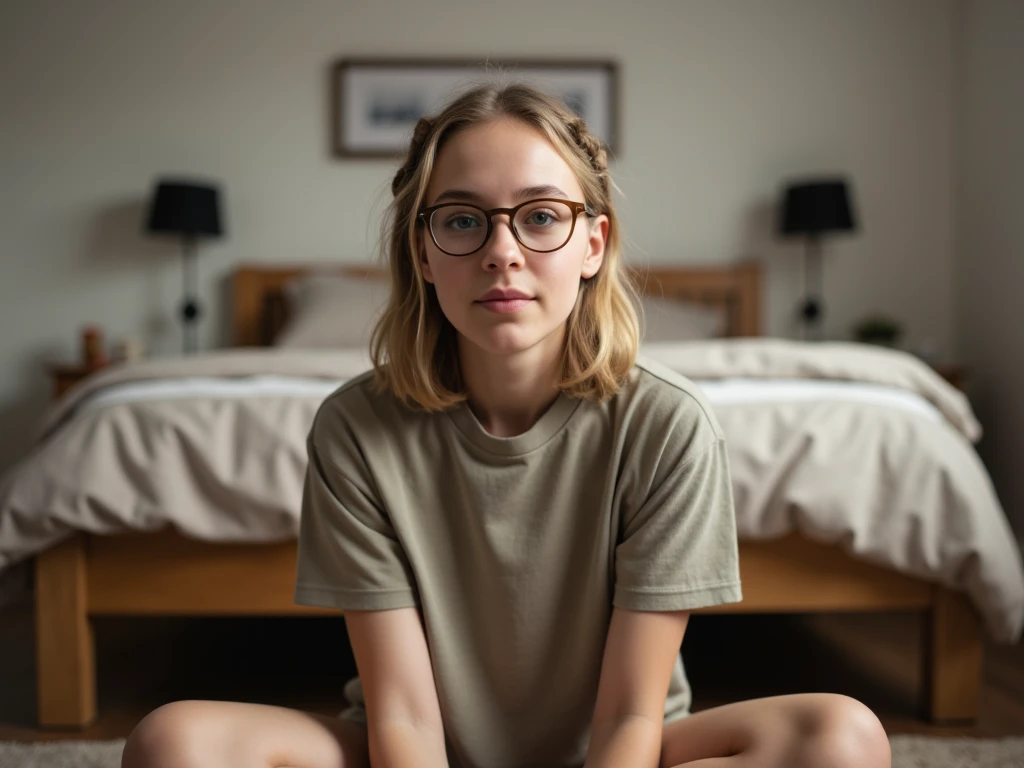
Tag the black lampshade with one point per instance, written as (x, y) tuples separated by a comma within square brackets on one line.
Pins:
[(185, 208), (817, 206)]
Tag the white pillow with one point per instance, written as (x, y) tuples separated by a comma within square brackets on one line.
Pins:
[(329, 310), (672, 320)]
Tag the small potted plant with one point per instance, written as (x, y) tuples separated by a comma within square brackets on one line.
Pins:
[(878, 329)]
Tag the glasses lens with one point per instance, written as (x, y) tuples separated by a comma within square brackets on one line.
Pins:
[(458, 229), (544, 225)]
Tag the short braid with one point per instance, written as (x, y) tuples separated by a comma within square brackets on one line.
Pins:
[(419, 137), (594, 149)]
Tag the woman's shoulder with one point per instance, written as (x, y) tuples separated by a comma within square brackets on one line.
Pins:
[(348, 398), (357, 407), (659, 398)]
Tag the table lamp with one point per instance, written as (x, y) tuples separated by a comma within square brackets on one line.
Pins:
[(812, 208), (190, 210)]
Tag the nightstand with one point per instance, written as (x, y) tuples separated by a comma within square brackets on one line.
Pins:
[(66, 376), (955, 373)]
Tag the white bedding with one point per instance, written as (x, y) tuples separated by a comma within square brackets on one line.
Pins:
[(215, 446), (727, 392)]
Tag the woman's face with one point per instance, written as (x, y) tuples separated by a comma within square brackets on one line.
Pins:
[(501, 164)]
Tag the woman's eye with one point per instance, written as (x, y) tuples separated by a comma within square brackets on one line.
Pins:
[(462, 221), (540, 218)]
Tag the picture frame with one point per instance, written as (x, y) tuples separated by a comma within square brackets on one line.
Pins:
[(375, 102)]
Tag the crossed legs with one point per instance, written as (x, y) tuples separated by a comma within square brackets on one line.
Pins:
[(812, 730)]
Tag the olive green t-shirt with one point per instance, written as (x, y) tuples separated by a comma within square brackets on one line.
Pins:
[(516, 549)]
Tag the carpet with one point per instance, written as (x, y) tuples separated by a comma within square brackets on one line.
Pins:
[(907, 752)]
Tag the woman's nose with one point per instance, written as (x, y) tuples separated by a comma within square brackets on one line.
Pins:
[(502, 251)]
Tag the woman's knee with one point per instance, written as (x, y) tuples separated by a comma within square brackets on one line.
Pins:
[(176, 735), (844, 732)]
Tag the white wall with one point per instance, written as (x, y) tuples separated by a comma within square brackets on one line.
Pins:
[(721, 100), (990, 204)]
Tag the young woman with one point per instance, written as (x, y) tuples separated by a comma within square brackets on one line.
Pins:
[(515, 512)]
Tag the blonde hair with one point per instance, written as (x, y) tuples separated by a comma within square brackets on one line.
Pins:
[(413, 347)]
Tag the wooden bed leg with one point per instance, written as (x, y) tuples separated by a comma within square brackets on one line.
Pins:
[(65, 657), (953, 655)]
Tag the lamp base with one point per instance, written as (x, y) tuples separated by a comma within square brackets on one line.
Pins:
[(191, 311), (190, 307), (812, 310), (811, 313)]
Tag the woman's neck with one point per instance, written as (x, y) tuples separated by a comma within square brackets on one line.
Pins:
[(509, 393)]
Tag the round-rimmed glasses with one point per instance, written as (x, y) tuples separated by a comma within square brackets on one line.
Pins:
[(542, 225)]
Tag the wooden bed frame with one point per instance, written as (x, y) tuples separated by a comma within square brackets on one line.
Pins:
[(164, 573)]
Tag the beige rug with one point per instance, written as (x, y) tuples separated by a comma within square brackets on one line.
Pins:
[(932, 752), (61, 754), (907, 752)]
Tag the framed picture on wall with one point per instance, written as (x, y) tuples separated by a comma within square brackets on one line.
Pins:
[(375, 103)]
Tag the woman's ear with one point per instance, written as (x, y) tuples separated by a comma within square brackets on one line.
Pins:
[(595, 246), (421, 253)]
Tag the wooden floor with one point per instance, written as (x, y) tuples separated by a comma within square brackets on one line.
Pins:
[(303, 663)]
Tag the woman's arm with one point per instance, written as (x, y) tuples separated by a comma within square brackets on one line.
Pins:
[(632, 741), (402, 710), (404, 745), (639, 654)]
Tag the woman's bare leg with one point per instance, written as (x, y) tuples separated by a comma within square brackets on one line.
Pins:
[(807, 730), (189, 734)]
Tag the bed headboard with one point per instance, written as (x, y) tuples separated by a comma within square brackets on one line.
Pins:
[(259, 310)]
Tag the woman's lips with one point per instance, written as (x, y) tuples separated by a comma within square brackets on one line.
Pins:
[(504, 305)]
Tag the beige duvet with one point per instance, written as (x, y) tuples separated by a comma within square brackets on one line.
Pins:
[(889, 486)]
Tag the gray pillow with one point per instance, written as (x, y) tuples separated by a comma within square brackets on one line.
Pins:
[(326, 311), (672, 320)]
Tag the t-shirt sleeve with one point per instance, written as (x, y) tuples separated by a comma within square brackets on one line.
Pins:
[(679, 550), (349, 555)]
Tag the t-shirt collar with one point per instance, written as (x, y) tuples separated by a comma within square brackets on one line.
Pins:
[(550, 422)]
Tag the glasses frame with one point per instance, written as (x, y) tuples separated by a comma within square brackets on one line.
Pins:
[(426, 214)]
